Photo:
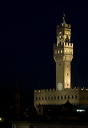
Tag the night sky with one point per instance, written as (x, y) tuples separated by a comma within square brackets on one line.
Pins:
[(27, 35)]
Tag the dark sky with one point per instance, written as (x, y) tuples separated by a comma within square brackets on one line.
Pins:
[(27, 35)]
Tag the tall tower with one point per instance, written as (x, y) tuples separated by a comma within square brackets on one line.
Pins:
[(63, 54)]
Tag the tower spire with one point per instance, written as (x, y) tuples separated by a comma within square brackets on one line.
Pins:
[(64, 18)]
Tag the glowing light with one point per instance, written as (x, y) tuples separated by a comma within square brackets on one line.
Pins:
[(61, 51), (0, 119), (80, 110)]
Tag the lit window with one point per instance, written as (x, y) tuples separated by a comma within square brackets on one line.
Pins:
[(58, 51), (65, 50), (0, 119), (61, 51), (80, 110), (55, 52)]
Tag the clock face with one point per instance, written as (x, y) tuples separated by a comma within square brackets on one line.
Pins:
[(59, 86)]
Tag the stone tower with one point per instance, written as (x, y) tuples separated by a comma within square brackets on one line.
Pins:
[(63, 54)]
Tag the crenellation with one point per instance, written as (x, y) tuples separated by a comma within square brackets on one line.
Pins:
[(64, 25), (68, 44), (64, 45), (44, 90)]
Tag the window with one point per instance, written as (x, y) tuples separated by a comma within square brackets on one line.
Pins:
[(68, 97), (55, 52), (61, 97), (48, 98), (54, 97), (61, 51), (72, 97), (58, 97), (36, 98), (39, 98), (75, 96), (64, 97)]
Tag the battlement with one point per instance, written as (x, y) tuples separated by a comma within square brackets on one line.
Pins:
[(45, 90), (64, 25), (64, 45), (65, 89)]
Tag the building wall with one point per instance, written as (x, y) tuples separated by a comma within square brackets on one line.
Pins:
[(55, 97)]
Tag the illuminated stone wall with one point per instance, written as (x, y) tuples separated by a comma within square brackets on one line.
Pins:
[(78, 96)]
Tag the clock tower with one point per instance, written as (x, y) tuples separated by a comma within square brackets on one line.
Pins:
[(63, 55)]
